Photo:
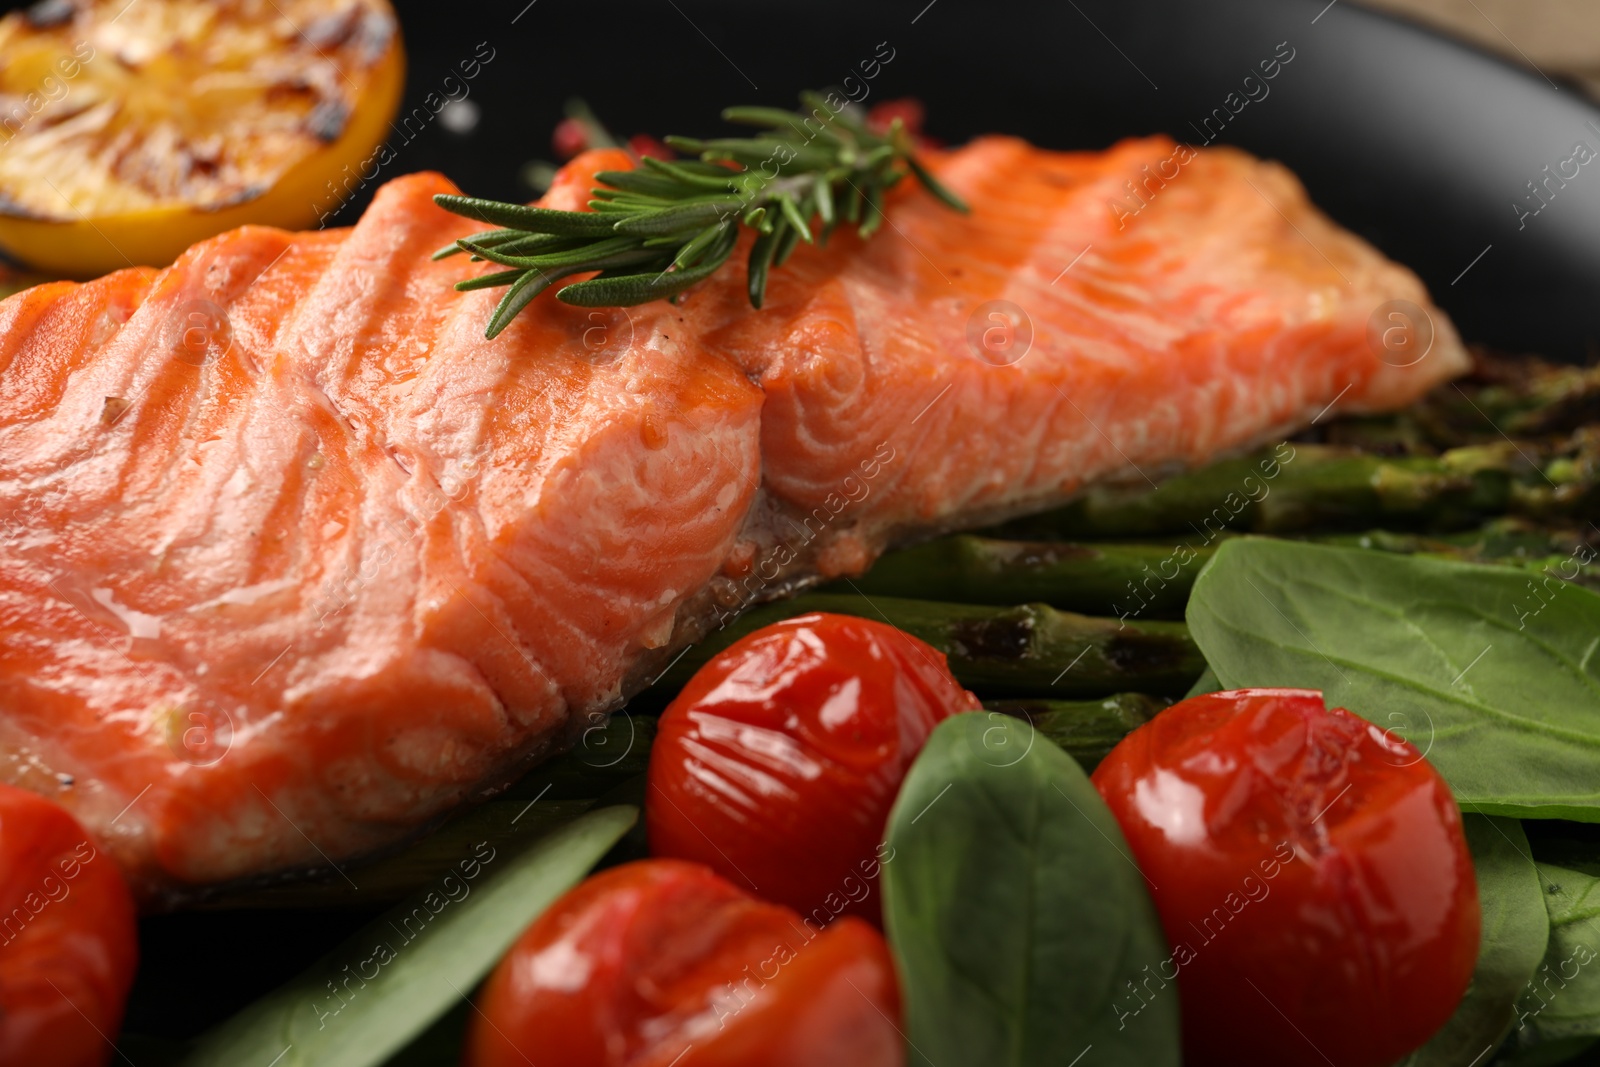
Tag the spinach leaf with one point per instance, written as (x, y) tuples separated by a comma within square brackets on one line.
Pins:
[(384, 985), (1558, 1013), (1494, 676), (1515, 931), (1017, 916)]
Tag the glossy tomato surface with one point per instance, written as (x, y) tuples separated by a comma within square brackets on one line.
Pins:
[(662, 963), (68, 944), (1311, 874), (778, 763)]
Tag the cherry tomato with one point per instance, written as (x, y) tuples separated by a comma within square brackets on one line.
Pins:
[(778, 763), (642, 144), (68, 944), (909, 110), (661, 963), (1311, 873), (569, 139)]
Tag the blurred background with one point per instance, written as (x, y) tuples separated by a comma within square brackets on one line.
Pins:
[(1561, 36)]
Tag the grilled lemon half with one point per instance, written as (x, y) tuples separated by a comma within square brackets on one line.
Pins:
[(130, 129)]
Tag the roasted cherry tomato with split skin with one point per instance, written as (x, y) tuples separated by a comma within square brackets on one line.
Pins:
[(1312, 876), (778, 763), (662, 963), (68, 942)]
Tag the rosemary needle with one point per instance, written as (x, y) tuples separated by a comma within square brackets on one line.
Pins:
[(655, 231)]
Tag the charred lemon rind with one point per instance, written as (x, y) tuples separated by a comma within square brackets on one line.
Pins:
[(330, 73)]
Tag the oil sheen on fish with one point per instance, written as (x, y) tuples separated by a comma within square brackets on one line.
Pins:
[(293, 559)]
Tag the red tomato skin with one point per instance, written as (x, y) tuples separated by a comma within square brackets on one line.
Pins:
[(911, 113), (569, 139), (643, 145), (1311, 874), (68, 939), (662, 963), (908, 109), (776, 766)]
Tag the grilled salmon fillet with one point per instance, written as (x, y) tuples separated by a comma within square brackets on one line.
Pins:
[(293, 559)]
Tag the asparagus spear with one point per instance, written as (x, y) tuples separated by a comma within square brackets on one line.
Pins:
[(1298, 487), (1151, 580), (1086, 729), (1519, 396), (1506, 542), (1027, 650), (1519, 436)]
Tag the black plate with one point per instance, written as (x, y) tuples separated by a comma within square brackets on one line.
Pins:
[(1420, 144)]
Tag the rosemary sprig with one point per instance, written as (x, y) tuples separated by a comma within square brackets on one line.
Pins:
[(655, 231)]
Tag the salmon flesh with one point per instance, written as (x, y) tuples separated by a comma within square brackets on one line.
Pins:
[(293, 560)]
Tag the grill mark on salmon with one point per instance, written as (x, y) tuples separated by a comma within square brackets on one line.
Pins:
[(360, 565)]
